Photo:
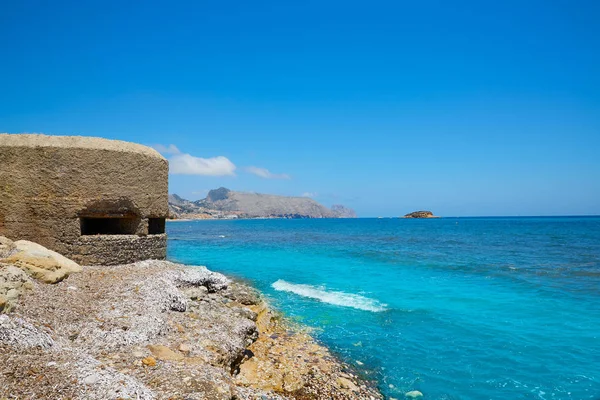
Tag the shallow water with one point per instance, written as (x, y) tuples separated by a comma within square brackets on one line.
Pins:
[(458, 308)]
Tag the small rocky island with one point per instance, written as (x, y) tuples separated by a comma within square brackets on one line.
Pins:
[(420, 214)]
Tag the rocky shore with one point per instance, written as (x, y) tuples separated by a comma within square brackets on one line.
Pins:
[(151, 330)]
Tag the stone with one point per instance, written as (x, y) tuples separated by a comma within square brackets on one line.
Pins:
[(13, 282), (41, 263), (7, 247), (164, 353), (346, 383), (184, 348), (90, 379), (138, 354), (3, 303), (414, 394), (196, 293), (243, 294), (149, 361)]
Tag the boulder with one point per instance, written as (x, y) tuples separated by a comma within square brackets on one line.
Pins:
[(13, 281), (7, 247), (414, 394), (41, 263)]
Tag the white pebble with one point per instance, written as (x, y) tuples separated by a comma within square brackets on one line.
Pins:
[(91, 379)]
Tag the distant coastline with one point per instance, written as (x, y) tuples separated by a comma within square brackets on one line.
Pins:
[(227, 204)]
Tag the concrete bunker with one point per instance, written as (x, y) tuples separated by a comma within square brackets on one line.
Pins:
[(96, 201)]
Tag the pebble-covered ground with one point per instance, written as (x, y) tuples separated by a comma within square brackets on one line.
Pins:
[(159, 330)]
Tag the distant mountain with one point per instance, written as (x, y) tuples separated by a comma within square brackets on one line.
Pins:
[(225, 203), (343, 211)]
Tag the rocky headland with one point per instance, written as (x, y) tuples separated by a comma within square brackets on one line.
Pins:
[(151, 330), (223, 203)]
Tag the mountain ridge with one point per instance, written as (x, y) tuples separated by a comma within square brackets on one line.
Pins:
[(224, 203)]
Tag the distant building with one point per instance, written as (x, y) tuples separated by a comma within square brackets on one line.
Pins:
[(96, 201)]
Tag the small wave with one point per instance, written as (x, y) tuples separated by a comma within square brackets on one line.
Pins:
[(331, 297)]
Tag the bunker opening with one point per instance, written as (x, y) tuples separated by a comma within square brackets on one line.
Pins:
[(156, 226), (108, 225)]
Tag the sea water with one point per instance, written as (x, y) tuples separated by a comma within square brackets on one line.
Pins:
[(457, 308)]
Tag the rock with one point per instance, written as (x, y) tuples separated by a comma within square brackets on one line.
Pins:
[(7, 247), (414, 394), (164, 353), (245, 313), (420, 214), (196, 293), (13, 282), (346, 383), (149, 361), (178, 302), (91, 379), (243, 294), (41, 263), (184, 348), (3, 303), (201, 276)]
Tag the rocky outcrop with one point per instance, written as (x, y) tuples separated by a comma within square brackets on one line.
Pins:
[(41, 263), (420, 214), (64, 192), (225, 203), (158, 330), (22, 260)]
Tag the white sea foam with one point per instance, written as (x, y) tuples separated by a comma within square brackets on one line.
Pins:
[(332, 297)]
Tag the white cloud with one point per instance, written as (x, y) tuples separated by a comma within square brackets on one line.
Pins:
[(167, 150), (265, 173), (309, 194), (186, 164)]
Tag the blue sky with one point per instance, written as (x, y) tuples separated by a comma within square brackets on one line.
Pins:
[(463, 107)]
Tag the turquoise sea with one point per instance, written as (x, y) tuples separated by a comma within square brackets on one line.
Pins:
[(457, 308)]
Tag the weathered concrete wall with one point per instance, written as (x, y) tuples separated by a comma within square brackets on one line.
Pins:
[(48, 184)]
